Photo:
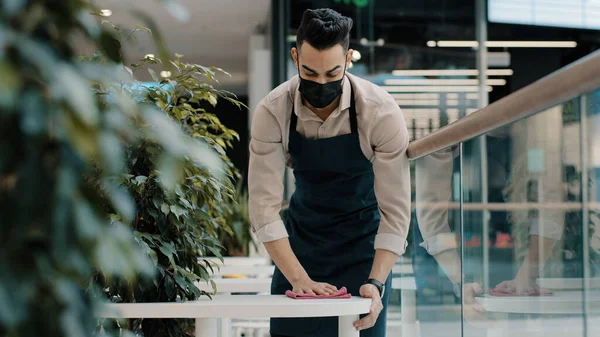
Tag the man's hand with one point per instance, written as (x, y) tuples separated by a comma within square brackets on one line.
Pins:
[(307, 286), (474, 312), (520, 286), (370, 291)]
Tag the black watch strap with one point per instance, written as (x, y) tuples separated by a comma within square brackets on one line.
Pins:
[(377, 284)]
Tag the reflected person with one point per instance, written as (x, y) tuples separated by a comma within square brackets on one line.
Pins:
[(433, 195)]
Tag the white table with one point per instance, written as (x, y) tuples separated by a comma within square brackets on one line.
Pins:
[(244, 270), (240, 261), (561, 302), (568, 283), (207, 312), (408, 304), (238, 285), (226, 286)]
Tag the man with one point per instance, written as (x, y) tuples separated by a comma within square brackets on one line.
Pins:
[(346, 140)]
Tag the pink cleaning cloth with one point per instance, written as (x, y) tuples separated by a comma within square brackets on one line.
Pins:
[(341, 293), (502, 291)]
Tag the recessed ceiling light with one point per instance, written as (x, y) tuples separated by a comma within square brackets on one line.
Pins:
[(451, 72), (105, 12), (165, 73), (504, 44), (149, 56)]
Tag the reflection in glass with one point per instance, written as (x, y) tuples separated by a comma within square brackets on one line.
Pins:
[(591, 227), (437, 270), (534, 224)]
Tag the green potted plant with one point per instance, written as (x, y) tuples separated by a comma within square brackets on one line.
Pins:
[(63, 149), (236, 238), (180, 212)]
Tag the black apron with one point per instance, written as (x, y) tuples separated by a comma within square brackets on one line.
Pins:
[(332, 221)]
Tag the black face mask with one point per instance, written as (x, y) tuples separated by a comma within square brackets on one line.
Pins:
[(320, 95)]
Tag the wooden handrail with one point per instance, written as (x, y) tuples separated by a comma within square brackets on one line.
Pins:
[(576, 79)]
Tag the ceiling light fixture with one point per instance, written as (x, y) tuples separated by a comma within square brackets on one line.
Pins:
[(408, 102), (417, 96), (505, 44), (165, 73), (426, 81), (424, 88), (451, 72), (149, 56), (105, 12)]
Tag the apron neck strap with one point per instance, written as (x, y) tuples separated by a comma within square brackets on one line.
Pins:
[(353, 118)]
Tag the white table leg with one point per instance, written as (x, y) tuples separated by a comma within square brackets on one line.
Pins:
[(207, 327), (408, 305), (346, 328), (225, 327)]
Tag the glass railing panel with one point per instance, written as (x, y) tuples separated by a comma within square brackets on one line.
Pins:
[(590, 108), (433, 306), (523, 228)]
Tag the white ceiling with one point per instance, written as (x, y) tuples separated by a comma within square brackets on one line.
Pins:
[(216, 33)]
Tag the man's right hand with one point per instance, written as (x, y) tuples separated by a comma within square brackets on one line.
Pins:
[(308, 286)]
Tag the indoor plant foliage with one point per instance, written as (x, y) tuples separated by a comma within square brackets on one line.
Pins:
[(181, 224), (236, 238), (59, 142)]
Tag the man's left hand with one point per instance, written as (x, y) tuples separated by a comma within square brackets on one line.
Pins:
[(370, 291)]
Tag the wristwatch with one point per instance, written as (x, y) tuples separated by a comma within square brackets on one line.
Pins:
[(380, 286)]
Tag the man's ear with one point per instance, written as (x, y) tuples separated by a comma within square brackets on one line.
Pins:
[(294, 53), (349, 57)]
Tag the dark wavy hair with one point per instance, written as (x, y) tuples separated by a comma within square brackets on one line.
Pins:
[(323, 29)]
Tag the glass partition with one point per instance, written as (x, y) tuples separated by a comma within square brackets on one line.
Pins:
[(591, 162), (433, 248), (515, 216), (528, 231)]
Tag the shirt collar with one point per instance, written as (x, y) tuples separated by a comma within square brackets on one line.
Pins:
[(304, 113)]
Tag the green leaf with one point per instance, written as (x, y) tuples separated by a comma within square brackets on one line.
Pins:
[(111, 47), (154, 257), (170, 287), (69, 85), (141, 179), (168, 251), (181, 282), (89, 225), (144, 29), (122, 202), (12, 7), (33, 120), (165, 208), (112, 152), (157, 201), (153, 74), (216, 251), (11, 309), (178, 211)]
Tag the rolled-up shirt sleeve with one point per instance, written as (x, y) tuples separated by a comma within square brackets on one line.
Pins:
[(392, 177), (265, 176), (434, 186)]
